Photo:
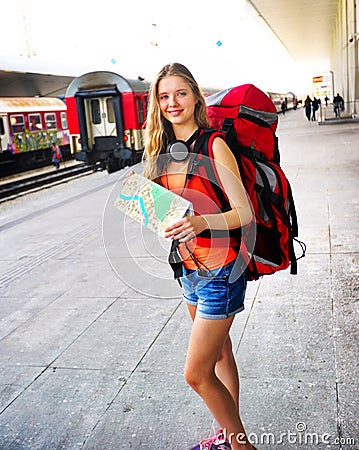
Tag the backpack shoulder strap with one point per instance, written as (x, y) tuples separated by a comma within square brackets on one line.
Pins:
[(231, 139), (204, 146)]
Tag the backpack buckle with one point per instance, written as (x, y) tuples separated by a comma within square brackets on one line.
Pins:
[(227, 125)]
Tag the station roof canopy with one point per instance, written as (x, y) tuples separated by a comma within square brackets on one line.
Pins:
[(25, 84), (30, 104), (304, 27)]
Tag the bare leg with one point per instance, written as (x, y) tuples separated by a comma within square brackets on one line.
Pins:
[(207, 340), (227, 371), (226, 367)]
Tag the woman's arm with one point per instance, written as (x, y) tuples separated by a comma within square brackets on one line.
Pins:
[(239, 215)]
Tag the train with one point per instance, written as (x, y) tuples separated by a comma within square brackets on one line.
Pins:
[(28, 128), (107, 114), (290, 98), (100, 121)]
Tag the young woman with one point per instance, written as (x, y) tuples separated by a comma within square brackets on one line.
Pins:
[(177, 111)]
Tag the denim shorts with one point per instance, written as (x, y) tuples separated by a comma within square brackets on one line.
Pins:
[(213, 293)]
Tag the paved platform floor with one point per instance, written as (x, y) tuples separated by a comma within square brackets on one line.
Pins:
[(92, 345)]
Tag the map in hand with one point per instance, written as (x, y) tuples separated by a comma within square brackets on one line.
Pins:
[(151, 204)]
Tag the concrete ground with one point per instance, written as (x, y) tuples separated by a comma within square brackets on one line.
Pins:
[(93, 331)]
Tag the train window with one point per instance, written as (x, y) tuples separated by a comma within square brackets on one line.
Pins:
[(140, 110), (50, 119), (35, 123), (2, 127), (63, 120), (17, 123), (110, 111), (95, 112)]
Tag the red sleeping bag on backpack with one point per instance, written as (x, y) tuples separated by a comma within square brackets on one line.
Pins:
[(255, 116), (249, 120)]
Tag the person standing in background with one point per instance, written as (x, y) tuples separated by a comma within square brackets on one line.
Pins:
[(315, 107), (308, 107), (56, 155), (338, 102)]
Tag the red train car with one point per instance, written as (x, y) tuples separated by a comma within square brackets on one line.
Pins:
[(28, 127), (106, 114)]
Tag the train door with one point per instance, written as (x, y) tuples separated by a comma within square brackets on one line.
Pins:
[(101, 118), (4, 133)]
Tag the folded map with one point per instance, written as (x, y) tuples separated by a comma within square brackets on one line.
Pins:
[(151, 204)]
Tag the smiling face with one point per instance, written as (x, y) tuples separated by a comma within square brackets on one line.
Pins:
[(177, 102)]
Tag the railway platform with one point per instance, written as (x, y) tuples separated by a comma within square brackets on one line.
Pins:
[(93, 331), (37, 171)]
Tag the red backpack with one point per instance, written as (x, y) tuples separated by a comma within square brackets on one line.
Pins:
[(248, 118)]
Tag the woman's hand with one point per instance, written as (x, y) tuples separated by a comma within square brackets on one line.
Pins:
[(132, 172), (186, 229)]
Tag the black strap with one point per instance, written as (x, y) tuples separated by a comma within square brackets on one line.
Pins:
[(175, 260), (232, 141), (221, 197), (267, 194), (292, 212), (251, 153), (293, 234), (254, 119), (292, 258), (253, 271), (210, 172), (276, 154)]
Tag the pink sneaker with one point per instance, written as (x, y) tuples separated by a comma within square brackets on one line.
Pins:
[(218, 442)]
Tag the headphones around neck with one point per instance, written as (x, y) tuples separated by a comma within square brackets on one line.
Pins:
[(179, 150)]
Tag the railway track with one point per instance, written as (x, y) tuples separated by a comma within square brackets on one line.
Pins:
[(13, 189)]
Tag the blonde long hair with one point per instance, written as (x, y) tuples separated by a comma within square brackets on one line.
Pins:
[(159, 131)]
